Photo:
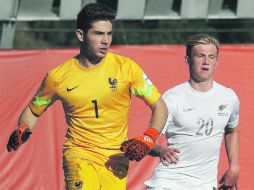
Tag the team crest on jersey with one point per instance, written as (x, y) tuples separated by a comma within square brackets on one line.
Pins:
[(222, 107), (222, 111), (112, 84)]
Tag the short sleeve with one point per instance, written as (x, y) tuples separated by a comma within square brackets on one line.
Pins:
[(234, 117), (45, 96), (167, 98), (141, 85)]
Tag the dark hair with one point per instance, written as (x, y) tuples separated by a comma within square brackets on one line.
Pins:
[(94, 12), (197, 39)]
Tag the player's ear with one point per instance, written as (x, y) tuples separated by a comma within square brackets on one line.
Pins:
[(187, 59), (80, 35)]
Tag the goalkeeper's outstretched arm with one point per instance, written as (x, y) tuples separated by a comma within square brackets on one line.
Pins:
[(28, 117), (27, 122), (159, 115)]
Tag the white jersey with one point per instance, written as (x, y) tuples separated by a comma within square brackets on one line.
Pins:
[(195, 125)]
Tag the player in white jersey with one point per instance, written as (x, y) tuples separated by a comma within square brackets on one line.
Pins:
[(201, 111)]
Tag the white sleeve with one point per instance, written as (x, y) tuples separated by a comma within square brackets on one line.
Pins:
[(234, 118), (167, 98)]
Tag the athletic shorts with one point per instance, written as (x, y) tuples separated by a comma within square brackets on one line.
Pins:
[(83, 174)]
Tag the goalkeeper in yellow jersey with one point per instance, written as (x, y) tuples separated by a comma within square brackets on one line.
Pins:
[(95, 88)]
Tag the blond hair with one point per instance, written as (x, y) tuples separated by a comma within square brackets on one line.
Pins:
[(198, 39)]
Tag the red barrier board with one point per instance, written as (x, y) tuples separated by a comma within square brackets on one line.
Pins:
[(38, 163)]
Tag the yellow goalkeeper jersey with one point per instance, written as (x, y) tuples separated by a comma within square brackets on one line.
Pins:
[(96, 102)]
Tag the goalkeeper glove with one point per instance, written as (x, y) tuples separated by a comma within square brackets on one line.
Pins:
[(18, 137), (137, 148)]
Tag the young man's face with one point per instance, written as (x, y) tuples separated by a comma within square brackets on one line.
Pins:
[(203, 62), (98, 38)]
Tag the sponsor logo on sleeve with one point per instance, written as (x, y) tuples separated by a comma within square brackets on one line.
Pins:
[(147, 80)]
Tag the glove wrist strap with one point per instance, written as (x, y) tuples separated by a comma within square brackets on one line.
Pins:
[(23, 127), (153, 133)]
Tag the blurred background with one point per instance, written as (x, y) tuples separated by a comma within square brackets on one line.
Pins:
[(51, 23), (38, 35)]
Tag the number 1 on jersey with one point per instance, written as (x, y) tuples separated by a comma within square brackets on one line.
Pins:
[(95, 108)]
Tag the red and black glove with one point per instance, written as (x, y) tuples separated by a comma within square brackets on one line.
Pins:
[(138, 147), (18, 137)]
